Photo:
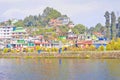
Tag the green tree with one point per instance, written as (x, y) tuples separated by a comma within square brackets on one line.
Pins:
[(113, 25), (107, 24), (98, 27), (79, 29), (63, 29), (19, 23), (50, 13)]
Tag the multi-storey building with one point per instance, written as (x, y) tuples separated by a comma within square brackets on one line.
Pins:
[(19, 33), (6, 32)]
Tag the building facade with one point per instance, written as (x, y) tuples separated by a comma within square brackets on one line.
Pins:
[(19, 33), (6, 32)]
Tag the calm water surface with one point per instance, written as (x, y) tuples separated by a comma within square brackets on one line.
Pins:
[(59, 69)]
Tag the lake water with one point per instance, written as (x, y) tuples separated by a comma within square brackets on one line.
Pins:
[(59, 69)]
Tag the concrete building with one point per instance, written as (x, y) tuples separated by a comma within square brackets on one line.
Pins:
[(60, 21), (19, 33), (6, 32), (71, 35)]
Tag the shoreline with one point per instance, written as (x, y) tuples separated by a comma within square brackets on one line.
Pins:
[(66, 54)]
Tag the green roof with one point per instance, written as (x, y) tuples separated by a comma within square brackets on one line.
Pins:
[(19, 29)]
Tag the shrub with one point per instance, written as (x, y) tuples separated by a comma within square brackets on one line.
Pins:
[(101, 48), (116, 46), (31, 49), (13, 51), (37, 48), (108, 47), (92, 48), (48, 49), (5, 50), (26, 49)]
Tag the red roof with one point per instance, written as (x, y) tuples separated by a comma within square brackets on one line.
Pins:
[(97, 34), (41, 36), (85, 42), (38, 42)]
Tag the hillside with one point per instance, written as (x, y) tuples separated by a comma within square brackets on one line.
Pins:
[(41, 20)]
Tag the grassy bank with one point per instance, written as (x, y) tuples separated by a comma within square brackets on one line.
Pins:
[(66, 54)]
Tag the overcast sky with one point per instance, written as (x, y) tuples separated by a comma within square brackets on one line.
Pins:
[(87, 12)]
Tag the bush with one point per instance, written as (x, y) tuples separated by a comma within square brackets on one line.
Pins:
[(32, 50), (101, 48), (48, 49), (37, 48), (116, 46), (108, 47), (5, 50), (92, 48), (13, 51)]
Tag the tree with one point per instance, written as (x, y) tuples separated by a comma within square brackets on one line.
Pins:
[(63, 29), (98, 27), (118, 28), (91, 30), (50, 13), (113, 25), (102, 30), (41, 20), (107, 24), (20, 23), (79, 29)]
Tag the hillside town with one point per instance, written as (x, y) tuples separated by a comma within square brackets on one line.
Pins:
[(59, 32), (59, 40), (19, 37)]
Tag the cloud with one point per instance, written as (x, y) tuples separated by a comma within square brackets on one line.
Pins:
[(13, 13), (21, 13), (80, 11), (75, 11)]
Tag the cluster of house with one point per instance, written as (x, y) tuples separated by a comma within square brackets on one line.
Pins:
[(60, 21), (97, 39), (17, 37)]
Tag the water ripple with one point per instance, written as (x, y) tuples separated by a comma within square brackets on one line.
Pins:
[(3, 76)]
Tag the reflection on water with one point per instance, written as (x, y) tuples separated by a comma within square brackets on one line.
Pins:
[(59, 69)]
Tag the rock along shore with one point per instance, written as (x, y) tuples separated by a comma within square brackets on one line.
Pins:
[(66, 54)]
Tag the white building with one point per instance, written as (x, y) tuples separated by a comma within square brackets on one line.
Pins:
[(6, 32)]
